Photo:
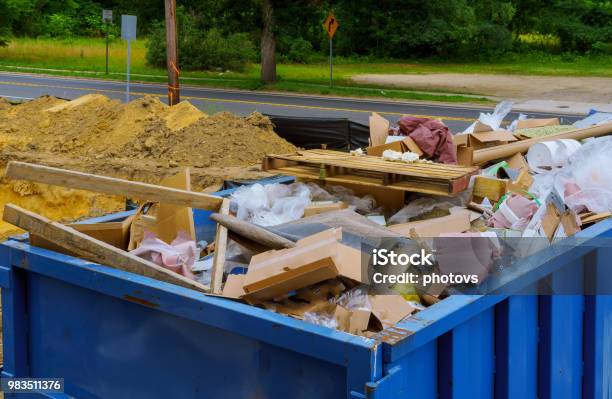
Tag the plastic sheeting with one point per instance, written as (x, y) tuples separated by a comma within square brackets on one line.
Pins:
[(308, 133)]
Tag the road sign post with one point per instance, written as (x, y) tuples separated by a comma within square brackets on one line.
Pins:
[(128, 33), (107, 18), (331, 26)]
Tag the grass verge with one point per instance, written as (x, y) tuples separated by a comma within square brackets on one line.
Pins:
[(86, 57)]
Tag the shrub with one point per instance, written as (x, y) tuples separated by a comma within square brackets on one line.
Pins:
[(300, 51), (202, 50), (60, 25)]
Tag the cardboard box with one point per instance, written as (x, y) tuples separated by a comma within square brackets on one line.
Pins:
[(490, 139), (531, 123), (318, 207), (457, 222), (316, 258), (404, 145), (467, 143)]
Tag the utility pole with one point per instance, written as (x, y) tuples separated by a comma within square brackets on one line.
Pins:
[(172, 53)]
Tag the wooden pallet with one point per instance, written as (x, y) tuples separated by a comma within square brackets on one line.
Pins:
[(340, 167)]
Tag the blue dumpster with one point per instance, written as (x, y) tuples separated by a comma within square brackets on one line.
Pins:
[(113, 334)]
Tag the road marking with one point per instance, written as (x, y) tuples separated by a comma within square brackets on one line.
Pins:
[(22, 84)]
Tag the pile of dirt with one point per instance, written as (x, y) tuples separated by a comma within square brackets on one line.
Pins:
[(144, 140), (96, 126)]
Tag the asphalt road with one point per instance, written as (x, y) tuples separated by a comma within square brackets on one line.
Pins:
[(27, 86)]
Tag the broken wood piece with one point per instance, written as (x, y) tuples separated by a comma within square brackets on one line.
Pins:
[(92, 249), (110, 185), (252, 232), (216, 276)]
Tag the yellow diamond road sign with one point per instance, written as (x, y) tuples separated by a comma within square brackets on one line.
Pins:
[(331, 25)]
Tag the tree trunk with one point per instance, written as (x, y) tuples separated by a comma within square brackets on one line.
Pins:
[(268, 43)]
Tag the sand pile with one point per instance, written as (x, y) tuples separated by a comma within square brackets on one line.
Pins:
[(96, 126), (144, 140)]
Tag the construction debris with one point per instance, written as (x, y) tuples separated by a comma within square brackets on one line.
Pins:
[(301, 249)]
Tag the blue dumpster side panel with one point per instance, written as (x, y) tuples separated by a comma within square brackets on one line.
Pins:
[(115, 334)]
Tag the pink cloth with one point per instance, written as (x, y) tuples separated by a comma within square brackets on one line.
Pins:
[(432, 136), (522, 210), (179, 256)]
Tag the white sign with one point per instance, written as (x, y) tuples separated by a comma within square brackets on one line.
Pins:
[(107, 16), (128, 27)]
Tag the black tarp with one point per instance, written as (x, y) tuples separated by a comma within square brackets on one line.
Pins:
[(336, 133)]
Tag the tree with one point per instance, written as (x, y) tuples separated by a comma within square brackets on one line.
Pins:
[(268, 43)]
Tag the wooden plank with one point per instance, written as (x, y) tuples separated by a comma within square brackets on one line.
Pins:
[(216, 278), (379, 165), (110, 185), (92, 249), (170, 218), (252, 232)]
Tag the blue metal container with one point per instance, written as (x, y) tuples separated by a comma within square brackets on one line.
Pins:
[(112, 334)]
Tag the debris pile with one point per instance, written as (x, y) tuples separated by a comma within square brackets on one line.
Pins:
[(310, 250)]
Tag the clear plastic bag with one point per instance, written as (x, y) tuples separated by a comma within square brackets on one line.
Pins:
[(354, 299), (494, 119), (321, 319), (586, 182), (418, 207), (271, 204)]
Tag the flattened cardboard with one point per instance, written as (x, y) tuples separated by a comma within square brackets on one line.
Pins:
[(531, 123), (318, 207), (489, 139), (591, 217), (171, 219), (550, 221), (342, 317), (465, 155), (518, 161), (569, 223), (404, 145), (458, 222), (359, 321), (390, 309), (233, 286), (379, 129), (522, 183), (473, 215), (315, 258)]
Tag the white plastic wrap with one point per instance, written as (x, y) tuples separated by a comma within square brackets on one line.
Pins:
[(494, 119), (354, 299), (271, 204), (515, 122), (586, 182), (321, 319)]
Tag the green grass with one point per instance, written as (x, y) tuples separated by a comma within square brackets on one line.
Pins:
[(88, 56)]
